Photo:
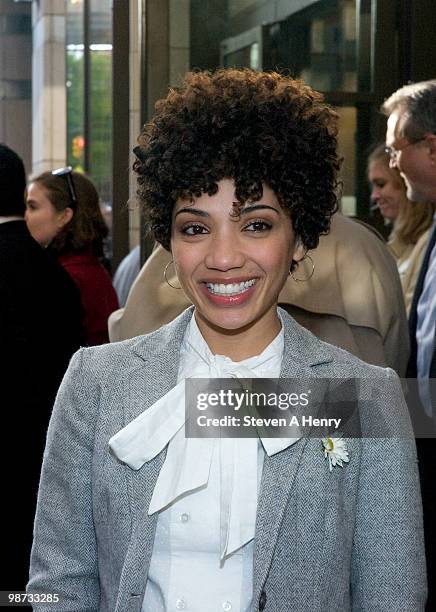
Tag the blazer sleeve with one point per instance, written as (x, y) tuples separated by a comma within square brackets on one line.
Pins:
[(388, 560), (64, 555)]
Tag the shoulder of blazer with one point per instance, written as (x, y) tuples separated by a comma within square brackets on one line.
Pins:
[(323, 359), (130, 354)]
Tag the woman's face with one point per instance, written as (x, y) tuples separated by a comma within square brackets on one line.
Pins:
[(233, 268), (386, 193), (42, 218)]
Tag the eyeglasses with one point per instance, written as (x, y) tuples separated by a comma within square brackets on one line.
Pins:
[(67, 174), (393, 152)]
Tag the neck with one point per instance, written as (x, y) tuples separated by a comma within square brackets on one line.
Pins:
[(242, 343)]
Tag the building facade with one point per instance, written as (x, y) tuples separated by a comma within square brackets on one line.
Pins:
[(16, 77)]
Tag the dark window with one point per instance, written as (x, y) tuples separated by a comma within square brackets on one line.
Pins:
[(15, 24)]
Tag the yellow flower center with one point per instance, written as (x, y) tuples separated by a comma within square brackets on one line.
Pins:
[(330, 445)]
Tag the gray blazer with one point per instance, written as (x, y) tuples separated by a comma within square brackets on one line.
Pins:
[(349, 539)]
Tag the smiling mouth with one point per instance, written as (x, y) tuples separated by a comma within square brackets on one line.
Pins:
[(230, 289)]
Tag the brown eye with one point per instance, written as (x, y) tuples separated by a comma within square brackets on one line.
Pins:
[(194, 230), (258, 226)]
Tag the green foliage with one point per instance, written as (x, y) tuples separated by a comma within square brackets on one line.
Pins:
[(100, 117), (75, 106), (101, 122)]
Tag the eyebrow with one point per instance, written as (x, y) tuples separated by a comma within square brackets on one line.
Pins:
[(202, 213), (194, 211)]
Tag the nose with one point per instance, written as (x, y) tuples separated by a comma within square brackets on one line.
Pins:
[(375, 193), (225, 252)]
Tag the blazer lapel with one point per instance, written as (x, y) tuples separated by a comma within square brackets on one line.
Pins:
[(154, 375), (302, 352), (278, 477)]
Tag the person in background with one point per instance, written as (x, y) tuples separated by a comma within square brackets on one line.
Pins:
[(411, 220), (387, 190), (63, 213), (411, 142), (352, 300), (106, 260), (40, 329), (126, 274)]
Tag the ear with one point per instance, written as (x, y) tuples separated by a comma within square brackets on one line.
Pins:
[(65, 217), (299, 251)]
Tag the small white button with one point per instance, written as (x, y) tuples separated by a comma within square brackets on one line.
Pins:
[(184, 517), (227, 606), (180, 604)]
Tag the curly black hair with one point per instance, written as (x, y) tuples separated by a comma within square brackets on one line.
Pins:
[(252, 127)]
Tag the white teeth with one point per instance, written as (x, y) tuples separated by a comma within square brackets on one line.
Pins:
[(231, 288)]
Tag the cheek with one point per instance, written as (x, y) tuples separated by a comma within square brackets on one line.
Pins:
[(396, 194), (47, 225), (185, 261), (42, 216), (33, 218), (46, 220), (277, 257)]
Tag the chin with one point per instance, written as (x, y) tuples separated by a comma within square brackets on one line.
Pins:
[(389, 214), (231, 319), (226, 321)]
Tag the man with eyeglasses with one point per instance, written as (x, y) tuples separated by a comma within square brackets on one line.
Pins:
[(411, 144)]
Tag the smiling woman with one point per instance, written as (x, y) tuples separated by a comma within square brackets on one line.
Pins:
[(245, 187), (237, 177), (233, 266), (387, 188)]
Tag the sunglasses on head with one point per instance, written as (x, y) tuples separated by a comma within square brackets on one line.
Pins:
[(67, 174)]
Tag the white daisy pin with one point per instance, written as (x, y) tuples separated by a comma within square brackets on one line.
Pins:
[(335, 450)]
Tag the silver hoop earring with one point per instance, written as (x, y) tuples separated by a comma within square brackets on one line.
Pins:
[(303, 280), (165, 275)]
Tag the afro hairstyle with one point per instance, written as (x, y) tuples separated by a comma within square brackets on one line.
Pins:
[(253, 127)]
